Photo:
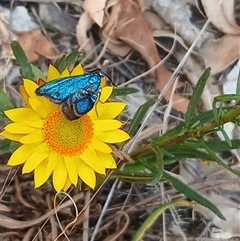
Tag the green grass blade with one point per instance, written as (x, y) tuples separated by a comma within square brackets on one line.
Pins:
[(196, 96), (191, 194)]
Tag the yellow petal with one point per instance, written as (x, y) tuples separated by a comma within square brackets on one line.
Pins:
[(71, 169), (107, 125), (22, 114), (103, 82), (38, 107), (65, 73), (67, 184), (49, 106), (91, 159), (36, 124), (22, 154), (107, 159), (53, 159), (109, 110), (105, 93), (24, 95), (115, 136), (86, 174), (30, 87), (101, 146), (52, 73), (19, 128), (40, 176), (59, 175), (40, 154), (13, 137), (36, 136), (78, 70)]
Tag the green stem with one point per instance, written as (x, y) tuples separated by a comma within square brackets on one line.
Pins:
[(199, 132)]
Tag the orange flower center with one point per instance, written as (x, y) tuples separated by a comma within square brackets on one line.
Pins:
[(65, 137)]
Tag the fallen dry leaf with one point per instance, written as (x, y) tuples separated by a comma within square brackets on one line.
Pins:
[(26, 32), (221, 14), (221, 53), (35, 44), (95, 9), (84, 24), (132, 29), (115, 45)]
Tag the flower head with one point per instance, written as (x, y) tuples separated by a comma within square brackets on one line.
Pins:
[(54, 146)]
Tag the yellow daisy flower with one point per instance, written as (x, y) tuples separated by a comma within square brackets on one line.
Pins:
[(54, 146)]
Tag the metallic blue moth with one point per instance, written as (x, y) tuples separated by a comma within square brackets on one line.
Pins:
[(76, 95)]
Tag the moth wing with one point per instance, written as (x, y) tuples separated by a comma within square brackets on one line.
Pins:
[(83, 106), (60, 90)]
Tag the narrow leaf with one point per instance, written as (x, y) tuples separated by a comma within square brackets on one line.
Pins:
[(131, 177), (159, 164), (217, 159), (62, 63), (226, 138), (67, 61), (37, 73), (155, 215), (5, 146), (196, 96), (238, 84), (25, 66), (139, 115), (218, 146), (72, 58), (191, 194), (200, 119), (5, 105), (123, 91)]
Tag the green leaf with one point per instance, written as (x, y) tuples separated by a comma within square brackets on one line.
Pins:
[(62, 64), (191, 194), (180, 129), (182, 151), (155, 215), (226, 138), (223, 145), (139, 115), (238, 84), (132, 177), (226, 98), (6, 104), (67, 60), (123, 91), (5, 146), (37, 72), (196, 96), (14, 146), (216, 158), (159, 164), (218, 112), (151, 166), (25, 66)]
